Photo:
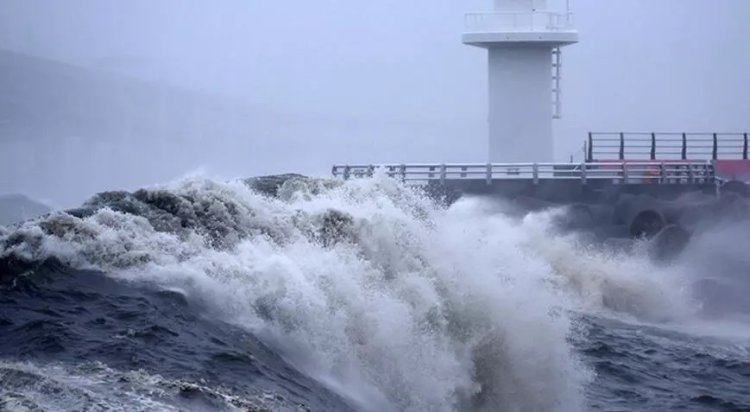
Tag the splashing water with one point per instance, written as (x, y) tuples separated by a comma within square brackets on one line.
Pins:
[(392, 301)]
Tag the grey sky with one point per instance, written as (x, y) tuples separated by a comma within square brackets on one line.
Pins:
[(377, 81)]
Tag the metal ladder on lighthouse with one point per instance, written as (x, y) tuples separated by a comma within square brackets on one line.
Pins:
[(556, 92)]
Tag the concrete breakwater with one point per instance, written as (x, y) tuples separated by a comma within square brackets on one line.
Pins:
[(618, 217)]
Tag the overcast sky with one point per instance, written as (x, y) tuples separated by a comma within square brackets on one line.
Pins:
[(397, 69)]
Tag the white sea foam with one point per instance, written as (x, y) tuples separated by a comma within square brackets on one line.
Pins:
[(395, 303), (92, 386)]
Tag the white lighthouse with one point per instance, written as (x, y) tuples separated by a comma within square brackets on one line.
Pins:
[(523, 39)]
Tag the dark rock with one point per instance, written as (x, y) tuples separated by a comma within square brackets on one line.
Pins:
[(646, 224), (270, 185), (642, 214)]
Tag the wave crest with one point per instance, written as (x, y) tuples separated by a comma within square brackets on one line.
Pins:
[(369, 286)]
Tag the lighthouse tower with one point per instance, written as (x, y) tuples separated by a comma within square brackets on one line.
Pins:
[(523, 39)]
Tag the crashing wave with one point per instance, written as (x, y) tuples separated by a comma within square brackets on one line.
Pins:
[(369, 286)]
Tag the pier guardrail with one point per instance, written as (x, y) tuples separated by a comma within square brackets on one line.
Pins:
[(666, 146), (619, 172)]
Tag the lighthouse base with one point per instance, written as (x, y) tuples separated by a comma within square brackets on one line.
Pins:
[(520, 104)]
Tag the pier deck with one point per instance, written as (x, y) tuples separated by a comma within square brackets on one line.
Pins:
[(661, 164)]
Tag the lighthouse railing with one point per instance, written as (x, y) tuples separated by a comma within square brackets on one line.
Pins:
[(489, 22)]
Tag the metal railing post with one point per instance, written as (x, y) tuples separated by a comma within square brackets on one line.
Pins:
[(489, 174), (684, 146), (662, 173), (744, 148), (403, 172), (708, 172), (624, 166), (583, 173), (653, 146), (717, 185), (716, 147), (622, 146), (590, 155), (371, 171), (347, 169), (691, 173), (535, 173), (442, 173)]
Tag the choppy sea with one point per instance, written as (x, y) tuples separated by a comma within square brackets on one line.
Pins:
[(362, 295)]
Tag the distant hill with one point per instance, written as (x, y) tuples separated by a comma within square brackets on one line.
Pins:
[(67, 132), (16, 208), (40, 97)]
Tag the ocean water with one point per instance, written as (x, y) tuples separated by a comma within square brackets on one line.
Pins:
[(359, 296)]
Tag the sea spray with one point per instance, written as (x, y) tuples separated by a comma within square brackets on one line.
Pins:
[(370, 288), (368, 285), (598, 279)]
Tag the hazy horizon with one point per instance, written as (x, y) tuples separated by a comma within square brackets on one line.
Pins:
[(334, 82)]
